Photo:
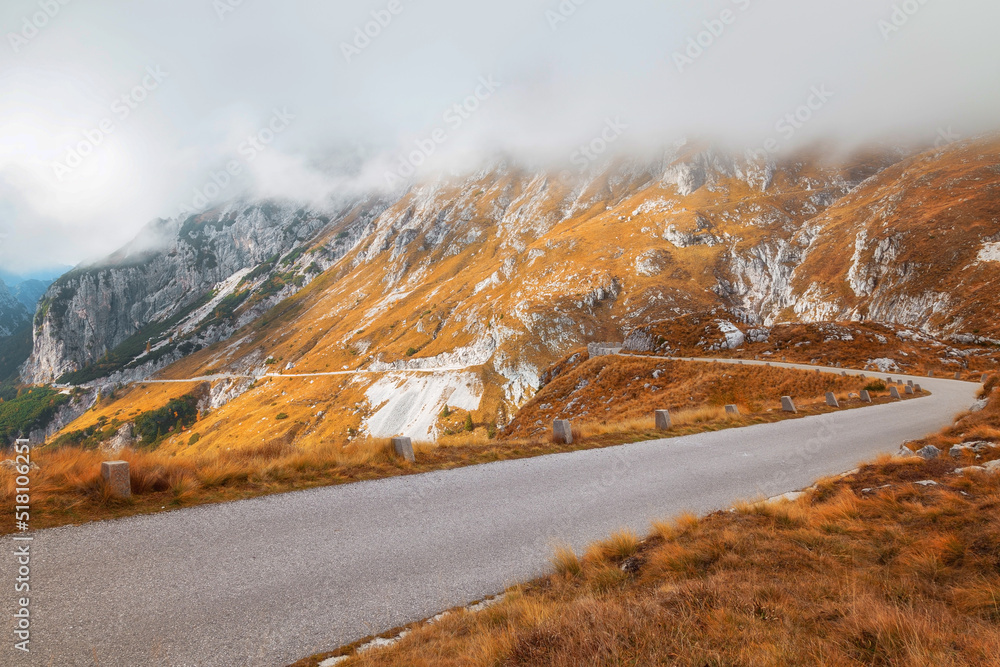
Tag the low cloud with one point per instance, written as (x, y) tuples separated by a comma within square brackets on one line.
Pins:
[(743, 73)]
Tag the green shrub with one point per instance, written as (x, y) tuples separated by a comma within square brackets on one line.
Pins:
[(470, 426), (194, 439), (32, 408), (281, 415), (151, 427), (89, 438), (875, 387)]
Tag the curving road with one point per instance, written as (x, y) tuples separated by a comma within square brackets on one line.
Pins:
[(237, 376), (271, 580)]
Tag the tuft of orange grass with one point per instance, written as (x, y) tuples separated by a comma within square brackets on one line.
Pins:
[(619, 546)]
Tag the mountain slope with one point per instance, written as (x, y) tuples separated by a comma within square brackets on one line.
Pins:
[(524, 219), (918, 245), (481, 282), (179, 286), (500, 274), (13, 314), (30, 292)]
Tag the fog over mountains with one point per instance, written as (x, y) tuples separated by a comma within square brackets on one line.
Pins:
[(365, 91)]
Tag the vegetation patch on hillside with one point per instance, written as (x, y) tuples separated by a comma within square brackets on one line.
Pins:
[(149, 428), (30, 408), (606, 391)]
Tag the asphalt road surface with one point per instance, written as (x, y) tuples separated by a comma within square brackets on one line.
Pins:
[(272, 580)]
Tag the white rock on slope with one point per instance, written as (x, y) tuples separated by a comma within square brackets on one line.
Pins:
[(409, 404), (990, 252)]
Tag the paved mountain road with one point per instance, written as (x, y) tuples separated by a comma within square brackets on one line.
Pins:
[(271, 580)]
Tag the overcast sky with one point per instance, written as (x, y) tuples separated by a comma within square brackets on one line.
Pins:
[(183, 85)]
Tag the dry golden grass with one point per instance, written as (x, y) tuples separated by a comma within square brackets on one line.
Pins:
[(679, 419), (619, 546), (870, 569), (67, 486), (565, 562), (851, 344), (620, 394)]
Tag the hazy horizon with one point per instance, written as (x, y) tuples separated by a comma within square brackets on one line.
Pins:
[(163, 99)]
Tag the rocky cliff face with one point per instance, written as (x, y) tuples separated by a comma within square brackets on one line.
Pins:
[(13, 314), (911, 246), (175, 273)]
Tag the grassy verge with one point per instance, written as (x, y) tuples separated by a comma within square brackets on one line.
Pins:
[(615, 389), (67, 488), (896, 564)]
